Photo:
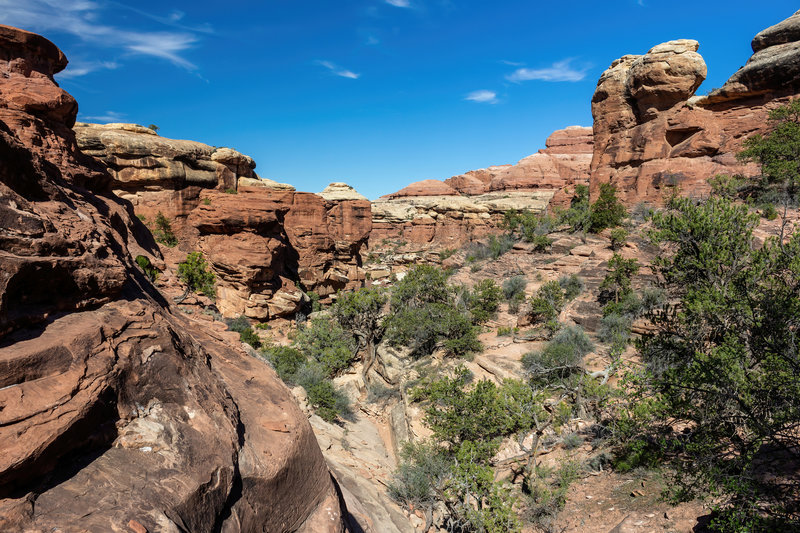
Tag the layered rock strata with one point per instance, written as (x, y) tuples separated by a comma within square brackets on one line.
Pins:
[(266, 242), (451, 212), (652, 135), (116, 414)]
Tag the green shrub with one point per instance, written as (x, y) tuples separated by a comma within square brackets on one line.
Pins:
[(163, 232), (573, 286), (541, 243), (615, 330), (505, 331), (562, 356), (231, 191), (572, 441), (577, 217), (493, 249), (513, 286), (446, 253), (250, 337), (241, 325), (484, 301), (285, 360), (642, 212), (326, 342), (617, 283), (546, 305), (769, 212), (607, 211), (147, 267), (778, 152), (726, 186), (194, 272), (206, 201), (618, 238)]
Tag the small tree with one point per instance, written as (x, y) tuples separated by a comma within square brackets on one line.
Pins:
[(196, 274), (617, 283), (326, 342), (484, 300), (546, 305), (163, 233), (778, 152), (607, 211), (361, 312)]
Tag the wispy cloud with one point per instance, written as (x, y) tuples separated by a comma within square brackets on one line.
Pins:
[(399, 3), (83, 19), (512, 63), (335, 69), (78, 68), (108, 116), (559, 71), (482, 96)]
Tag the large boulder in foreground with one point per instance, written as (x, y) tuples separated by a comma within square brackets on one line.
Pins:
[(115, 413), (652, 135)]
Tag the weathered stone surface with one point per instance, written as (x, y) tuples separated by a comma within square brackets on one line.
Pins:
[(115, 413), (652, 135), (468, 206), (258, 234)]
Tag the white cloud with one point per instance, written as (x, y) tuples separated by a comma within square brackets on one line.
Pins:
[(399, 3), (82, 19), (344, 73), (108, 116), (512, 63), (559, 71), (78, 68), (482, 96)]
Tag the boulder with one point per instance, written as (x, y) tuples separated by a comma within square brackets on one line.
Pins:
[(117, 414), (652, 136)]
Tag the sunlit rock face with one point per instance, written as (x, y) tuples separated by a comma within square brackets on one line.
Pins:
[(469, 206), (653, 135), (115, 413)]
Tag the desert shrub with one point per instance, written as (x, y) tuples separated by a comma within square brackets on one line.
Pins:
[(326, 342), (615, 330), (163, 232), (778, 152), (328, 402), (726, 186), (725, 364), (378, 393), (607, 211), (572, 441), (241, 325), (547, 494), (769, 212), (484, 300), (231, 191), (618, 238), (562, 356), (446, 253), (147, 267), (617, 283), (573, 286), (494, 248), (313, 299), (642, 212), (546, 305), (505, 331), (515, 303), (577, 217), (196, 274), (513, 286), (285, 360), (541, 243), (423, 315)]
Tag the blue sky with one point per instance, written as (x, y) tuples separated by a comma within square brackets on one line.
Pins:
[(376, 93)]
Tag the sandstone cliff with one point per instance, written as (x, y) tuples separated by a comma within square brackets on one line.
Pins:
[(650, 131), (115, 414), (262, 238), (451, 212)]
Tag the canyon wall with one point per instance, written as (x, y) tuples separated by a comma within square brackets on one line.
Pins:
[(115, 413), (262, 238), (456, 210), (652, 134)]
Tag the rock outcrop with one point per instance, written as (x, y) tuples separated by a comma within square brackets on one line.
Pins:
[(651, 134), (261, 237), (451, 212), (116, 414)]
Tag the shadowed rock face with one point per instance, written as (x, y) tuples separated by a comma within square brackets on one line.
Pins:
[(260, 241), (469, 205), (651, 134), (116, 414)]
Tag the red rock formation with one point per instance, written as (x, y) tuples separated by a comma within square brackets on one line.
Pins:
[(651, 134), (467, 206), (115, 413), (259, 240)]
